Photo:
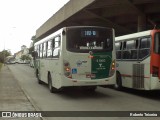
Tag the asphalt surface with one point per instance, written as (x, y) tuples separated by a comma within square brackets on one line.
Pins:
[(12, 97), (19, 91), (103, 99)]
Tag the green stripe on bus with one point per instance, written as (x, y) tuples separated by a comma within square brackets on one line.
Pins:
[(101, 65)]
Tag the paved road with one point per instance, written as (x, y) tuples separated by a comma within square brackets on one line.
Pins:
[(104, 99), (12, 97)]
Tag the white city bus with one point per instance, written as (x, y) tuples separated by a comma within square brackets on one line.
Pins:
[(76, 56), (138, 60)]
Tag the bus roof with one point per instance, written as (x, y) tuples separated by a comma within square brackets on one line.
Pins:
[(60, 31), (50, 36), (134, 35)]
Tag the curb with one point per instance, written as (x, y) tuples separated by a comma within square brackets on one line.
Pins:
[(28, 97)]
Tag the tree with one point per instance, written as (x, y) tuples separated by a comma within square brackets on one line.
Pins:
[(31, 49), (33, 37), (3, 55), (25, 57)]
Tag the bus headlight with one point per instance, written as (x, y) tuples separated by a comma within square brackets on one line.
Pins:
[(112, 68)]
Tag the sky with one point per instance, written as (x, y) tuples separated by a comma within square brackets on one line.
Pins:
[(19, 20)]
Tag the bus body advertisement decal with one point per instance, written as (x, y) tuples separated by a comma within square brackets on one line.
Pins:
[(101, 65)]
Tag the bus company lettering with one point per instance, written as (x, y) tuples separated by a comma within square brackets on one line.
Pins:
[(81, 63), (101, 60)]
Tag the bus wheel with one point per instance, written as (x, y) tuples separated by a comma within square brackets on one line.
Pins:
[(118, 85), (51, 88), (37, 75)]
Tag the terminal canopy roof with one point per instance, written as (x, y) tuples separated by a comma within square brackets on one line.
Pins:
[(125, 16)]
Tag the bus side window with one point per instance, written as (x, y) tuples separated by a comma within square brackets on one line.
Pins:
[(144, 49), (44, 50), (125, 52), (130, 45), (36, 51), (124, 45), (56, 47), (49, 49), (57, 41), (136, 44), (133, 49), (145, 43), (41, 50), (117, 46), (118, 49)]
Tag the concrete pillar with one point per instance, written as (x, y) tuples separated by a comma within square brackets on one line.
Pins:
[(142, 22)]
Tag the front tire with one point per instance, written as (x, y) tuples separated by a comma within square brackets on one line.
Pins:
[(51, 88), (118, 85), (38, 78)]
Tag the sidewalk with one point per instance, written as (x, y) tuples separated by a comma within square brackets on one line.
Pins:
[(12, 97)]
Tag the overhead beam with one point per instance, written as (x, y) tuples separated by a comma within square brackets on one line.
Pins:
[(108, 21), (141, 13), (63, 14)]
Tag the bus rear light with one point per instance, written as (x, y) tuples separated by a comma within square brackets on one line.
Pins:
[(66, 64), (113, 65), (155, 71), (67, 69), (112, 69), (90, 56)]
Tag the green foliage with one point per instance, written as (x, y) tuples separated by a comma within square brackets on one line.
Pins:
[(0, 66), (31, 50), (3, 55), (25, 57), (33, 37)]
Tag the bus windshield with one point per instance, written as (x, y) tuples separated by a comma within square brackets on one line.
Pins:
[(85, 39)]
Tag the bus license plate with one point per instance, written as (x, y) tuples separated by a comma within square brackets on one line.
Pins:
[(90, 76)]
